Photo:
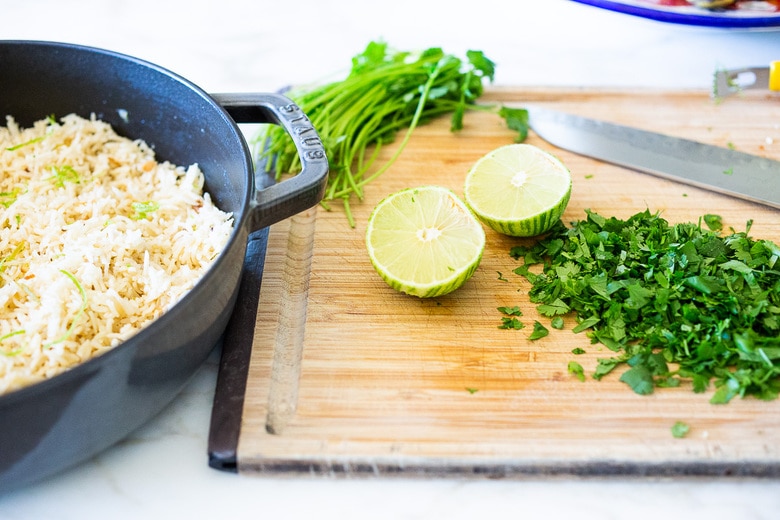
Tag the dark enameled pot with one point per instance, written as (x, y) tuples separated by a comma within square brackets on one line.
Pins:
[(49, 426)]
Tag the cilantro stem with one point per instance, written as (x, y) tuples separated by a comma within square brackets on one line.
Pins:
[(63, 174), (13, 254), (78, 314), (412, 125), (26, 143), (384, 93), (9, 335), (141, 210), (8, 197)]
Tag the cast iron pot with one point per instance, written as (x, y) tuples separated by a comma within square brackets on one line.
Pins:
[(49, 426)]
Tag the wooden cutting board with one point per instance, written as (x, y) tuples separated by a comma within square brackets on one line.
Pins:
[(348, 377)]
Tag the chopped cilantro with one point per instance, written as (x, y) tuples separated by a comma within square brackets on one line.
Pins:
[(554, 308), (510, 311), (639, 378), (15, 352), (585, 324), (11, 256), (141, 210), (511, 323), (680, 430), (79, 313), (577, 370), (539, 331), (8, 197), (714, 222), (26, 143), (63, 174), (675, 303)]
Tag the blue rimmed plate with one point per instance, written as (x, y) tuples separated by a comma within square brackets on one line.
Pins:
[(743, 15)]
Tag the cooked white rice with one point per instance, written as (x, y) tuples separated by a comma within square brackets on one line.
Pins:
[(97, 239)]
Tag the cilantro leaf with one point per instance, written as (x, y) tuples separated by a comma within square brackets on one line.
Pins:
[(577, 370), (539, 331), (586, 324), (510, 311), (639, 379), (517, 120), (680, 430), (481, 63), (511, 323), (714, 222), (554, 308)]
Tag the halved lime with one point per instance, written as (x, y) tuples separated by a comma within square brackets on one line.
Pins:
[(424, 241), (518, 190)]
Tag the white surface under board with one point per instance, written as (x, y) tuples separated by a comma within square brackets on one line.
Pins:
[(161, 470)]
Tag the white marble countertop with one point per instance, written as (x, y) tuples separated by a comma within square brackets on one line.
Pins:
[(161, 470)]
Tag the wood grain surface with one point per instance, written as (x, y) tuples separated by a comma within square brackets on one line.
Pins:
[(395, 385)]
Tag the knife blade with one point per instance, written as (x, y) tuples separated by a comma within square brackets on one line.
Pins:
[(719, 169)]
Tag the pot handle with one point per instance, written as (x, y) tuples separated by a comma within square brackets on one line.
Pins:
[(300, 192)]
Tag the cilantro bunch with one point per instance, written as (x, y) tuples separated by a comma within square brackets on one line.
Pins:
[(386, 91), (675, 302)]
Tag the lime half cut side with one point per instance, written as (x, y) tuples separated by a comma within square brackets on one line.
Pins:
[(424, 241), (518, 190)]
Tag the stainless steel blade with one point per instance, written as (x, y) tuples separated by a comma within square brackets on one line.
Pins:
[(723, 170), (729, 82)]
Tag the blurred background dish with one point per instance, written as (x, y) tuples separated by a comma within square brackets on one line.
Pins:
[(738, 15)]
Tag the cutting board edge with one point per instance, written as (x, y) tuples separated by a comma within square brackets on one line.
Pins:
[(392, 466)]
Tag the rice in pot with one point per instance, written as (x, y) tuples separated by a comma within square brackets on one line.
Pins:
[(97, 239)]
